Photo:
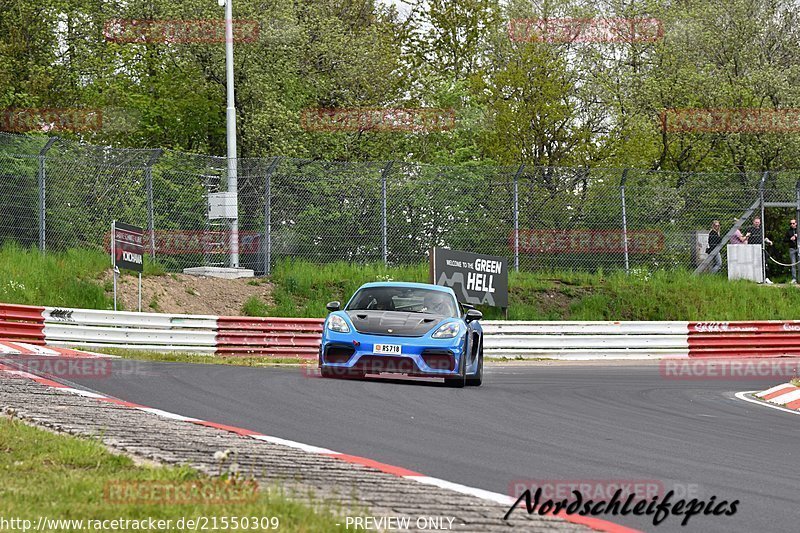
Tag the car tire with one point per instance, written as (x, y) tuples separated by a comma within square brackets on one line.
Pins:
[(477, 379), (460, 380)]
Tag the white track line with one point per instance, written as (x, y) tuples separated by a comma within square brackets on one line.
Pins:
[(742, 396)]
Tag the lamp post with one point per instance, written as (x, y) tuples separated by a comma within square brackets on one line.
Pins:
[(230, 128)]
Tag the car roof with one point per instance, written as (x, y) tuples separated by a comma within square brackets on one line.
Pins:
[(408, 285)]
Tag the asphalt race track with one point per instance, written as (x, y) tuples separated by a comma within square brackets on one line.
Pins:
[(542, 422)]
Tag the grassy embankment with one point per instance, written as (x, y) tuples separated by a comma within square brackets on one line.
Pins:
[(74, 279), (63, 477), (69, 279), (303, 289)]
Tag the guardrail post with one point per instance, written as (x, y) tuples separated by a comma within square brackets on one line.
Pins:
[(384, 224), (148, 178), (624, 219), (267, 248), (516, 217), (43, 194)]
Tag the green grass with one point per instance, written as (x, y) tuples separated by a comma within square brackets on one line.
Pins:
[(58, 476), (66, 279), (303, 289), (182, 357)]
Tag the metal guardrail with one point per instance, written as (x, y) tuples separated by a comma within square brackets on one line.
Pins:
[(300, 337), (585, 340), (58, 326)]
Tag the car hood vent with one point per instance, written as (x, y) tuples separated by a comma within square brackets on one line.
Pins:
[(393, 323)]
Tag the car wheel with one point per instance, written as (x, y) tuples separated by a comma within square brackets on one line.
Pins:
[(477, 379), (460, 380)]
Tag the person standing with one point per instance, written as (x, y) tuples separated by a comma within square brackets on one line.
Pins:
[(755, 232), (791, 239), (713, 241)]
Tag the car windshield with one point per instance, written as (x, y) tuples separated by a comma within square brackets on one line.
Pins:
[(404, 299)]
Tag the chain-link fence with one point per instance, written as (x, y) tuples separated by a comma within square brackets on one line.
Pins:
[(57, 194)]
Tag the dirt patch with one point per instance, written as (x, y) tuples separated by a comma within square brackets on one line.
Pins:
[(195, 295)]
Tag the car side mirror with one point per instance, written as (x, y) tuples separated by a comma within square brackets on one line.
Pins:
[(333, 306), (472, 314)]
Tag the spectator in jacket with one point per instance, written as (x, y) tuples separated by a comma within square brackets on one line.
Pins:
[(791, 239), (713, 241), (755, 232)]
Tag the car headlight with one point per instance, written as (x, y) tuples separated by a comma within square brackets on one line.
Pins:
[(338, 324), (447, 331)]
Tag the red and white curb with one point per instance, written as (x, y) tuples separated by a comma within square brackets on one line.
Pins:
[(785, 397), (24, 348), (495, 497)]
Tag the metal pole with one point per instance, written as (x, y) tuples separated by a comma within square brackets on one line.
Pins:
[(516, 218), (43, 195), (384, 224), (624, 219), (114, 258), (231, 133), (140, 292), (797, 200), (761, 187), (148, 175), (268, 214)]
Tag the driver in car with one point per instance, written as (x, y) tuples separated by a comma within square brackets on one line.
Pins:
[(436, 304)]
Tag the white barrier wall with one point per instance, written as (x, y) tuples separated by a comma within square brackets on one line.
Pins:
[(585, 340)]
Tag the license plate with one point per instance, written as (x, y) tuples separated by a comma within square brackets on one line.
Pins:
[(393, 349)]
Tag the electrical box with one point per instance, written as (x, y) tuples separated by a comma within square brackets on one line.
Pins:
[(222, 205)]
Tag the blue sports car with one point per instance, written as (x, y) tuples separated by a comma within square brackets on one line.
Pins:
[(403, 328)]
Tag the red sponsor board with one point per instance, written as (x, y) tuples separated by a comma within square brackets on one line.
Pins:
[(567, 241), (417, 120), (753, 120), (586, 30), (200, 491), (729, 369), (179, 31), (50, 119)]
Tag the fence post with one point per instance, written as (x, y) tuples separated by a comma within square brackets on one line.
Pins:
[(624, 219), (516, 216), (384, 225), (761, 187), (43, 194), (148, 178), (796, 200), (267, 248)]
